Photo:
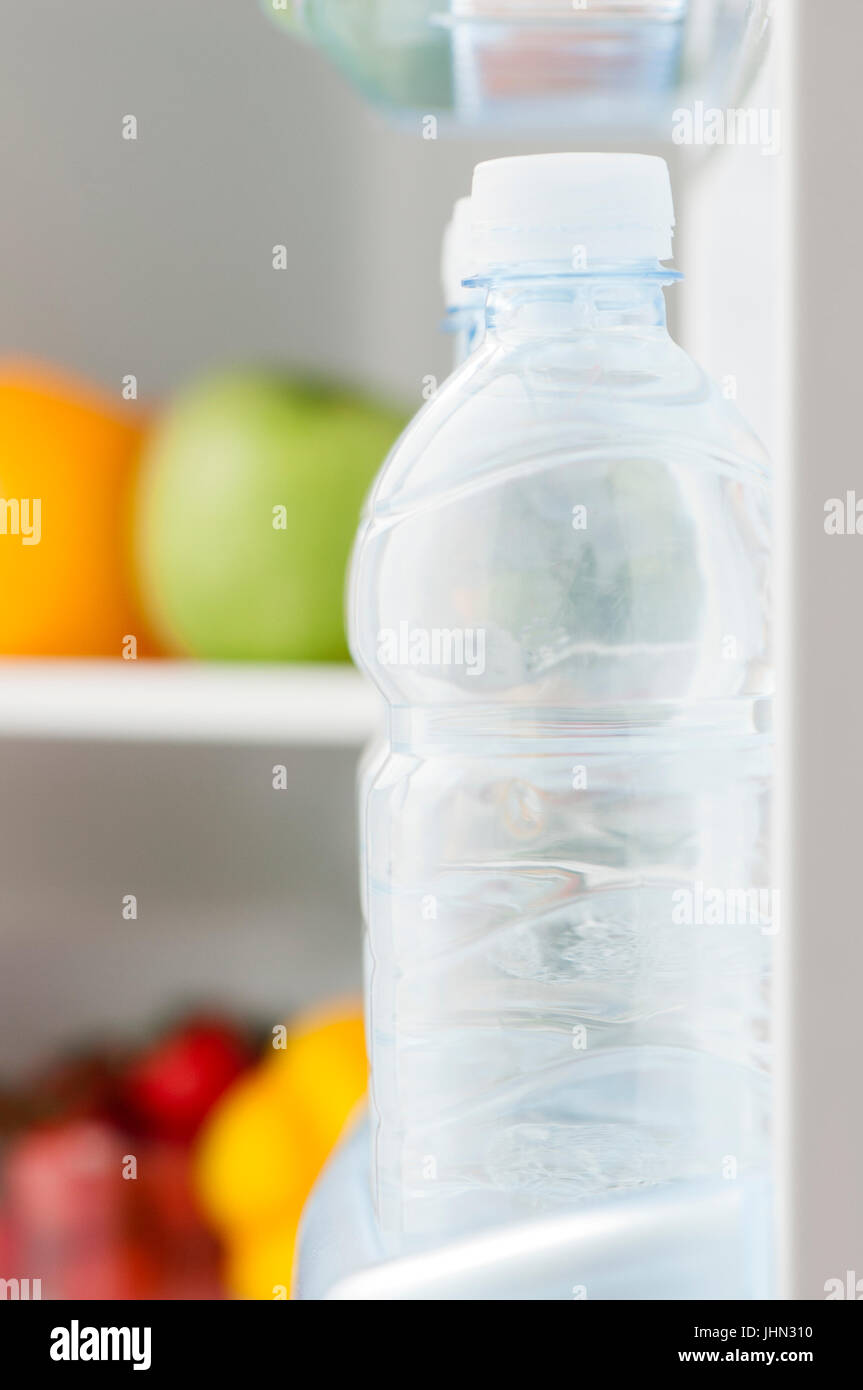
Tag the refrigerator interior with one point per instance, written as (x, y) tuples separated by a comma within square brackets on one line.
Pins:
[(224, 168), (156, 259)]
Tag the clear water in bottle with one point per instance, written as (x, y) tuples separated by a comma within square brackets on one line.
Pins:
[(560, 587)]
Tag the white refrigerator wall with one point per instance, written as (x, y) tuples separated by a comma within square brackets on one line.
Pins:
[(728, 212)]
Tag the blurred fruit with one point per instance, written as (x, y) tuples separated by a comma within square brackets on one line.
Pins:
[(14, 1111), (77, 1088), (66, 1180), (165, 1176), (187, 1252), (219, 578), (195, 1285), (9, 1261), (93, 1232), (324, 1070), (170, 1088), (260, 1265), (75, 1207), (253, 1160), (267, 1140), (115, 1270), (74, 454)]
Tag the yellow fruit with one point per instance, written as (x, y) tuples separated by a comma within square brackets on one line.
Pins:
[(252, 1161), (266, 1140), (324, 1070), (260, 1264)]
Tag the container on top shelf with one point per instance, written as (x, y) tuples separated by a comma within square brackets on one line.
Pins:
[(612, 66)]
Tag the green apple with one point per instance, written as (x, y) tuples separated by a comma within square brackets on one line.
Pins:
[(248, 499)]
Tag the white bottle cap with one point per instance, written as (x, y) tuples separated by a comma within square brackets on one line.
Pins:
[(571, 209), (456, 260)]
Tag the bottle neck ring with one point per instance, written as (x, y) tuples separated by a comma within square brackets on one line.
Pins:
[(562, 300)]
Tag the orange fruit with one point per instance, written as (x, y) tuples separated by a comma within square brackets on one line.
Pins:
[(67, 459)]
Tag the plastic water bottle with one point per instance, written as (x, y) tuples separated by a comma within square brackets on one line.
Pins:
[(560, 587), (465, 303), (464, 319)]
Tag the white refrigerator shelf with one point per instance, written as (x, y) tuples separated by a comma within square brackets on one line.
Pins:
[(185, 701)]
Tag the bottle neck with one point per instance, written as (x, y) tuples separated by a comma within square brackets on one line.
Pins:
[(560, 304)]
